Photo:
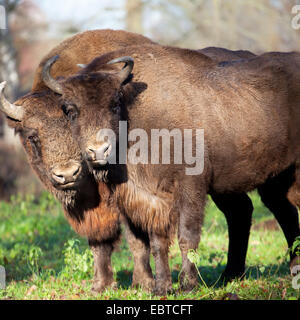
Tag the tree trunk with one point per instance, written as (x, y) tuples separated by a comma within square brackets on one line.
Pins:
[(8, 70), (134, 16)]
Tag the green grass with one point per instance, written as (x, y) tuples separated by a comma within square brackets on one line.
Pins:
[(45, 259)]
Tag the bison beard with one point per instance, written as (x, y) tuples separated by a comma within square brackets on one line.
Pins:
[(101, 223)]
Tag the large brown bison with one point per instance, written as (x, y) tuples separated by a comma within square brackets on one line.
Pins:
[(248, 109), (61, 168)]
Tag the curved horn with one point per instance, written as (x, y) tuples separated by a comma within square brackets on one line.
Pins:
[(12, 111), (125, 72), (50, 82)]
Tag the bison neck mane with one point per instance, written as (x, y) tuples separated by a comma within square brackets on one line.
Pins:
[(91, 213)]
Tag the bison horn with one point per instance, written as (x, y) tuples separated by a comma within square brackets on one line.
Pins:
[(125, 72), (12, 111), (50, 82)]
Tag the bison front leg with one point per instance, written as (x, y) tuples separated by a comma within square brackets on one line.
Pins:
[(188, 238), (140, 248), (191, 210), (103, 273), (160, 248)]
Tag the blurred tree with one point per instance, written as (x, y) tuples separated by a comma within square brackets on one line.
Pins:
[(257, 25), (15, 173), (8, 56), (29, 29), (8, 68), (134, 16)]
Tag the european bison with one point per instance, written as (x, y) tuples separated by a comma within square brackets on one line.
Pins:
[(248, 109)]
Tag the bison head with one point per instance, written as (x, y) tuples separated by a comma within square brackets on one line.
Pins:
[(47, 140), (93, 103)]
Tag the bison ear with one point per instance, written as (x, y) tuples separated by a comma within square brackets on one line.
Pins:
[(127, 69)]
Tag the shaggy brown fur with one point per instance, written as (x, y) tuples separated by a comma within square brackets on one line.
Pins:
[(222, 54), (100, 223), (82, 48), (242, 106), (151, 213)]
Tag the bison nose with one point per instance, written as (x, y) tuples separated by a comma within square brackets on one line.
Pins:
[(66, 174), (99, 154)]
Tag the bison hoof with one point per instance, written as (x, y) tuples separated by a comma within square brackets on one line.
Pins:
[(145, 284), (162, 289), (295, 266), (99, 287), (230, 276), (189, 286), (188, 282)]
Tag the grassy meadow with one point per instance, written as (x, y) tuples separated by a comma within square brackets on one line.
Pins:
[(45, 259)]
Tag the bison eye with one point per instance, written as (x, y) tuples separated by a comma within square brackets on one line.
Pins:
[(35, 144), (70, 111), (33, 139)]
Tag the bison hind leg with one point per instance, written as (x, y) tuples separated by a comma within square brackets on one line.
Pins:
[(278, 194), (140, 248), (237, 209)]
